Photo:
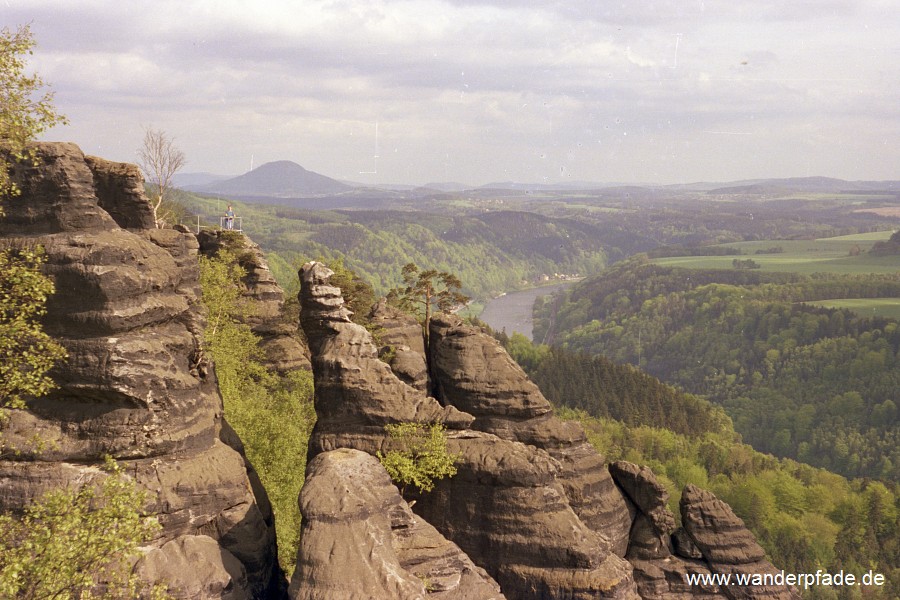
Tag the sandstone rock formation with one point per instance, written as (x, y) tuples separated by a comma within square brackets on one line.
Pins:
[(400, 336), (726, 544), (532, 502), (360, 540), (356, 393), (490, 508), (473, 372), (126, 310)]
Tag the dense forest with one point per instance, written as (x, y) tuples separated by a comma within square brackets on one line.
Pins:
[(818, 385), (806, 518)]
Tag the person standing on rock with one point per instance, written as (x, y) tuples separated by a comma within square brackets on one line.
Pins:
[(229, 218)]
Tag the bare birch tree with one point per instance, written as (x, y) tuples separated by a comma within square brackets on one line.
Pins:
[(160, 159)]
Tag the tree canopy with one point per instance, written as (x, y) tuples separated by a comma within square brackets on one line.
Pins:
[(427, 291)]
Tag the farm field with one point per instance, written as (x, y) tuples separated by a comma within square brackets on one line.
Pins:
[(865, 307), (825, 255)]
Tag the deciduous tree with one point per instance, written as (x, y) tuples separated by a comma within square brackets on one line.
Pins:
[(160, 160), (25, 112)]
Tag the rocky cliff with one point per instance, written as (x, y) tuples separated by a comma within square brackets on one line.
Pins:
[(135, 386), (533, 504)]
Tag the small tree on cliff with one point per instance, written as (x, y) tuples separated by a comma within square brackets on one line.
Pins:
[(25, 113), (160, 159), (26, 352), (421, 455), (427, 292)]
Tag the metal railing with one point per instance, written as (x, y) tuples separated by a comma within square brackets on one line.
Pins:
[(230, 223)]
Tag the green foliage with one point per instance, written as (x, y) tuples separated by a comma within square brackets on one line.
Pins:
[(272, 414), (603, 388), (22, 115), (26, 351), (422, 456), (426, 292), (72, 539)]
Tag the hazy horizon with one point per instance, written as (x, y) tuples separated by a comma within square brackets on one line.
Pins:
[(417, 91)]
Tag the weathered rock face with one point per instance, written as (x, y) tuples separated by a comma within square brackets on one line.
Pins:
[(360, 540), (473, 372), (356, 393), (654, 523), (658, 573), (402, 334), (133, 387), (726, 544), (506, 507)]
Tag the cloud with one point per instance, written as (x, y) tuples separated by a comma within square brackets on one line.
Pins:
[(601, 90)]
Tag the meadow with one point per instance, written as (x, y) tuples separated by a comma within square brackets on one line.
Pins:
[(824, 255), (865, 307)]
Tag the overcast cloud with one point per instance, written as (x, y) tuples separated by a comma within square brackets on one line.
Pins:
[(475, 91)]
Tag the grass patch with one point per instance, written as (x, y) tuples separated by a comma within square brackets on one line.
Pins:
[(825, 255), (865, 307)]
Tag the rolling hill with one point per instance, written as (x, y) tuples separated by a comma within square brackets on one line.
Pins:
[(279, 179)]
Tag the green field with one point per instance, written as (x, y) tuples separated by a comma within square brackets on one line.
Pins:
[(826, 255), (865, 307)]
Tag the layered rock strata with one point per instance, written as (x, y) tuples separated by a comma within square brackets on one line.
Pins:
[(135, 385), (658, 572), (506, 507), (354, 519), (474, 373), (400, 337), (356, 394), (727, 545), (532, 502)]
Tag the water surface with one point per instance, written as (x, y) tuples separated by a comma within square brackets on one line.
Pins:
[(513, 311)]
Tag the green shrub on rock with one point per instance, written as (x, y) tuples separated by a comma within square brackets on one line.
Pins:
[(422, 458)]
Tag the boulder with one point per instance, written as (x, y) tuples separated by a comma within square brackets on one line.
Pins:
[(195, 566), (360, 540)]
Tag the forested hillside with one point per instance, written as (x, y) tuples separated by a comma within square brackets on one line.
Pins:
[(810, 383), (491, 252)]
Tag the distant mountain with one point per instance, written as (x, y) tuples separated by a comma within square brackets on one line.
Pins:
[(805, 184), (279, 179)]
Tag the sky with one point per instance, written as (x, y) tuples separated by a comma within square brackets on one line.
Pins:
[(416, 91)]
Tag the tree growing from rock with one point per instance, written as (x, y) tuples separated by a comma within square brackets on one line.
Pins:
[(160, 160), (25, 112), (427, 292), (422, 456), (71, 539)]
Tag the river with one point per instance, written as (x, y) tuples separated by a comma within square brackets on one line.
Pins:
[(513, 311)]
